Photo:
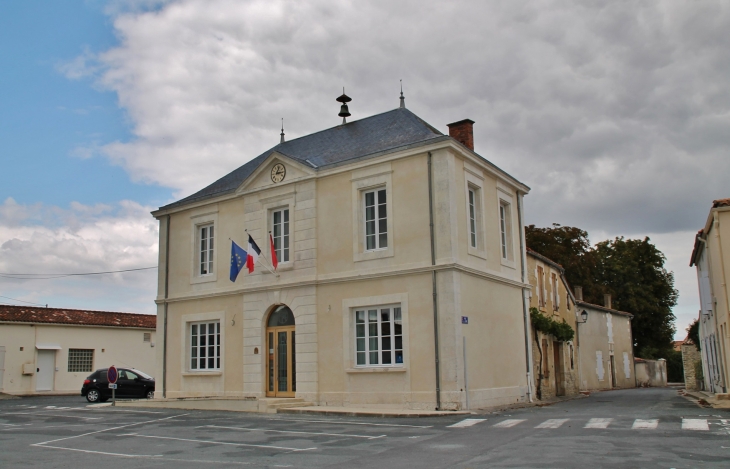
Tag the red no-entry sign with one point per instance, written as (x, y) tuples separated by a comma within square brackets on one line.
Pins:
[(112, 374)]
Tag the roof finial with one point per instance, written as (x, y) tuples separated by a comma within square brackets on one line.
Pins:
[(402, 98), (344, 111), (282, 130)]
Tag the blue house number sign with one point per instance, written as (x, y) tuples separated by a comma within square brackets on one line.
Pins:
[(465, 319)]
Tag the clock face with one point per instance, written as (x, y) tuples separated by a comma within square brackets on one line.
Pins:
[(278, 172)]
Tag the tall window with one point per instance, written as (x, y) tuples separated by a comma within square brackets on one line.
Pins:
[(540, 287), (504, 230), (379, 336), (376, 220), (80, 360), (280, 224), (205, 346), (207, 237), (472, 218), (554, 286)]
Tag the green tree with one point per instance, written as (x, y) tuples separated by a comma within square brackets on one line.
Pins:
[(633, 272), (693, 332)]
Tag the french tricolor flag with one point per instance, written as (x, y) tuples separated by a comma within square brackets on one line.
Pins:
[(253, 252)]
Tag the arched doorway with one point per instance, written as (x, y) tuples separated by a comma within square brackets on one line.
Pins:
[(281, 372)]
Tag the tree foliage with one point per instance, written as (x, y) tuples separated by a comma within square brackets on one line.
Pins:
[(560, 330), (631, 270), (693, 332)]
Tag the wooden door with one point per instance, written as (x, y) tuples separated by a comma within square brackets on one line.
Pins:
[(558, 363), (281, 366)]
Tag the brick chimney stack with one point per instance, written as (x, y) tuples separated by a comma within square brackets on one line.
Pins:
[(463, 131)]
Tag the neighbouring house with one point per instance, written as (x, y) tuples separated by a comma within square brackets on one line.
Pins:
[(711, 257), (650, 373), (605, 352), (691, 365), (52, 350), (400, 280), (555, 364)]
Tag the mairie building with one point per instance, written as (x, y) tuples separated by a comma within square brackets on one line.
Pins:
[(401, 278)]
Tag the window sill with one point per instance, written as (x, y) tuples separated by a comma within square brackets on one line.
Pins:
[(282, 267), (203, 279), (374, 254), (477, 253), (374, 369), (203, 373), (509, 263)]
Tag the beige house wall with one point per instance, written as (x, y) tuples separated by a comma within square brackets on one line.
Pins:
[(562, 310), (111, 345), (604, 335), (330, 274)]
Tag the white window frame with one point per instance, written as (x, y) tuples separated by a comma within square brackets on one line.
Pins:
[(474, 182), (349, 343), (366, 180), (505, 229), (366, 344), (199, 221), (206, 249), (379, 199), (197, 348), (283, 253), (187, 320)]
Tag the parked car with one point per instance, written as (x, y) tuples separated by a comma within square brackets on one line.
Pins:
[(130, 383)]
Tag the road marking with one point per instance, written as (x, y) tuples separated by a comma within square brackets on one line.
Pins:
[(642, 424), (552, 423), (218, 442), (508, 423), (695, 424), (100, 452), (10, 424), (123, 410), (466, 423), (348, 422), (292, 431), (46, 414), (108, 430), (598, 423)]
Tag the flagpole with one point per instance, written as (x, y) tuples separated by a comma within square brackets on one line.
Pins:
[(262, 255)]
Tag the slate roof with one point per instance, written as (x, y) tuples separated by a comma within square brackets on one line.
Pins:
[(368, 137), (76, 317)]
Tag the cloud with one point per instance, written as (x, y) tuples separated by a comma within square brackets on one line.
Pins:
[(40, 239), (616, 113)]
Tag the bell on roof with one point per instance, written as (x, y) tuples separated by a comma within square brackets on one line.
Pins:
[(344, 111)]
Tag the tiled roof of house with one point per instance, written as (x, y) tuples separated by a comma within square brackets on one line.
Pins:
[(545, 259), (396, 129), (77, 317), (721, 203), (603, 308)]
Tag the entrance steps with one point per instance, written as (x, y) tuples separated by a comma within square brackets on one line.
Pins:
[(271, 405)]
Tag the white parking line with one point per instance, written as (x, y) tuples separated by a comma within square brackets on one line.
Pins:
[(695, 424), (348, 422), (125, 410), (44, 414), (508, 423), (552, 423), (466, 423), (598, 423), (369, 437), (218, 442), (102, 452), (645, 424)]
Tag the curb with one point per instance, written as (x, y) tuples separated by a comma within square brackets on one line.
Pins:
[(373, 413)]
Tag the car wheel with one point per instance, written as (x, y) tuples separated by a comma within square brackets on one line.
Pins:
[(92, 395), (150, 394)]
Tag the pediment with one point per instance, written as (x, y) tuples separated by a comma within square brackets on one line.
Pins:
[(262, 176)]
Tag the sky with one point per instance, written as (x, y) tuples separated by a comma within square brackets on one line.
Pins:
[(616, 114)]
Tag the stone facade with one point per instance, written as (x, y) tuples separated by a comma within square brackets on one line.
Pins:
[(692, 364)]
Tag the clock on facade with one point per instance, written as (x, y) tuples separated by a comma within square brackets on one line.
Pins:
[(278, 172)]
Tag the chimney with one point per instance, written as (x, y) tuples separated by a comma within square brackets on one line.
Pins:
[(607, 300), (463, 131), (578, 293)]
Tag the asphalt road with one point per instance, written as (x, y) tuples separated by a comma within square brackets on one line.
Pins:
[(642, 428)]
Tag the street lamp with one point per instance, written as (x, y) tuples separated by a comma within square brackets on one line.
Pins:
[(583, 316)]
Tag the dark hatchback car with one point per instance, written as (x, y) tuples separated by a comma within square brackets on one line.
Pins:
[(130, 383)]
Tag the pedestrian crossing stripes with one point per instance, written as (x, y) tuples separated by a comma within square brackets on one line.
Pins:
[(641, 424), (508, 423), (466, 423), (598, 423), (552, 423), (695, 424)]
